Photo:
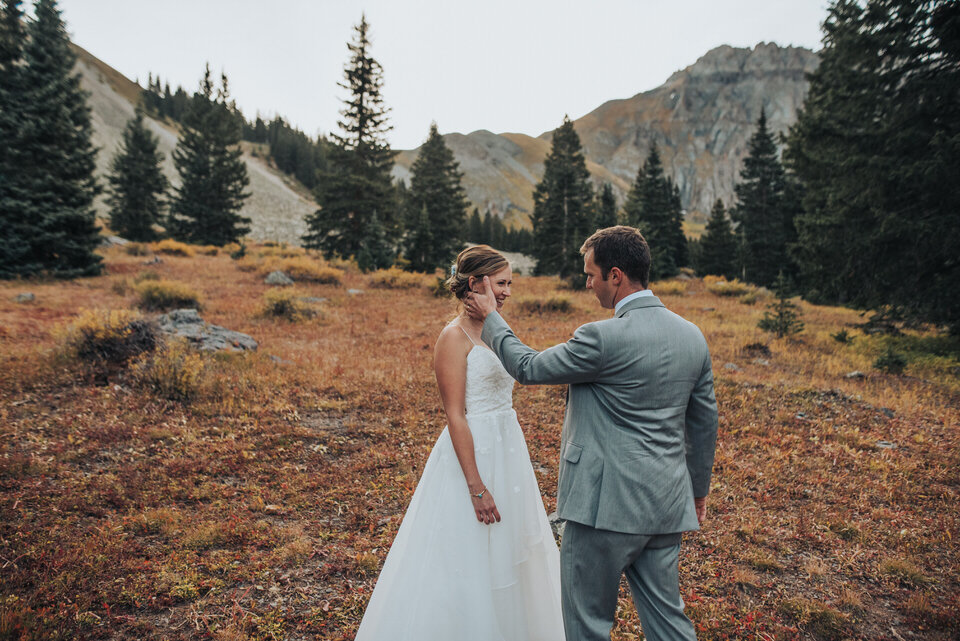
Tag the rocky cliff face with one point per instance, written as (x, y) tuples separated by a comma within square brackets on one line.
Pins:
[(701, 119), (276, 210)]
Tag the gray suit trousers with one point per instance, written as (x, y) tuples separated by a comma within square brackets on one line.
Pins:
[(591, 563)]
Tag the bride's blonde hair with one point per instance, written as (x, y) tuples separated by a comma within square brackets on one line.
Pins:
[(477, 261)]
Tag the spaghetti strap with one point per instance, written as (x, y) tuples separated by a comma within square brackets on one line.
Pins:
[(467, 335)]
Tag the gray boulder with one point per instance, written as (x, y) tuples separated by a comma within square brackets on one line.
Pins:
[(25, 297), (203, 335), (110, 241), (277, 277)]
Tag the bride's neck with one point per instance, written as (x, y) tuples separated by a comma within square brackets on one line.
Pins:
[(465, 321)]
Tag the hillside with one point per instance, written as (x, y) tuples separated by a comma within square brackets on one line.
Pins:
[(701, 118), (255, 495), (275, 208)]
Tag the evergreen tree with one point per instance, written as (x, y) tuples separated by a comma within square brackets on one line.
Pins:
[(782, 317), (17, 218), (718, 245), (137, 184), (375, 252), (205, 208), (762, 211), (475, 228), (606, 207), (876, 148), (653, 206), (48, 184), (562, 217), (435, 188), (419, 243), (357, 188)]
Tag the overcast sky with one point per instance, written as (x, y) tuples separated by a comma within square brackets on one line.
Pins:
[(501, 65)]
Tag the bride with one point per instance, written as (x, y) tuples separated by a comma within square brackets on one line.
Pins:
[(474, 558)]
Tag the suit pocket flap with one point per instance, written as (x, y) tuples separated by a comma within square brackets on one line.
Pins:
[(571, 453)]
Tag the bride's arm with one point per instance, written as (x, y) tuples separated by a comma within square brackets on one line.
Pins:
[(450, 364)]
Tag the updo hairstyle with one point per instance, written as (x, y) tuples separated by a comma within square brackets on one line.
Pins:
[(477, 261)]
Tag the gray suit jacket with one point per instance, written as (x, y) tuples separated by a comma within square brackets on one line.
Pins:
[(641, 421)]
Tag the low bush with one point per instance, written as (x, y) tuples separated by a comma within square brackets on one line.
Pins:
[(305, 269), (147, 275), (440, 290), (722, 287), (669, 288), (161, 295), (281, 250), (137, 249), (891, 362), (756, 295), (174, 372), (209, 250), (284, 303), (172, 247), (554, 304), (107, 338), (395, 278)]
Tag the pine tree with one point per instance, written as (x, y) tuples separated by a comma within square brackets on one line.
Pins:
[(137, 184), (718, 245), (876, 149), (562, 217), (419, 243), (375, 252), (782, 317), (358, 186), (606, 207), (49, 184), (17, 218), (475, 228), (205, 207), (653, 206), (762, 211), (435, 189)]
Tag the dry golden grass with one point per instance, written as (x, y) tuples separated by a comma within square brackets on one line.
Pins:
[(130, 515)]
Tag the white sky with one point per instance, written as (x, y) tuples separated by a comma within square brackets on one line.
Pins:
[(501, 65)]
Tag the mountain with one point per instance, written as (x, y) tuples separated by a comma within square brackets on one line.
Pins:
[(275, 207), (701, 119)]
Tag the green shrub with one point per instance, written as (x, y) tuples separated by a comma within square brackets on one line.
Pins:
[(890, 362), (843, 336), (137, 249), (165, 295)]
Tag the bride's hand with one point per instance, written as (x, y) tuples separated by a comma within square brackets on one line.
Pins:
[(485, 508)]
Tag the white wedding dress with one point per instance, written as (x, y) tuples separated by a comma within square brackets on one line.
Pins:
[(449, 577)]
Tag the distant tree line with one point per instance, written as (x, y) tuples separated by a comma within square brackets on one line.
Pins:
[(490, 229)]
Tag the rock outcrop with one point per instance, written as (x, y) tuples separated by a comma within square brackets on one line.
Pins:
[(203, 335)]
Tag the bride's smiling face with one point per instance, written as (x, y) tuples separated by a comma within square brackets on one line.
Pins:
[(500, 282)]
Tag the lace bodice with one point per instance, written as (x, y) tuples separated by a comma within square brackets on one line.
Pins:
[(489, 386)]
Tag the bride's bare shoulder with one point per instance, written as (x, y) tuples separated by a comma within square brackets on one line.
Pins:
[(453, 342)]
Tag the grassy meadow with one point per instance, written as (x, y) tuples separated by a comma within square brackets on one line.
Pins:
[(255, 495)]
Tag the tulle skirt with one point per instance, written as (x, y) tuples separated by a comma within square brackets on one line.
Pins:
[(449, 577)]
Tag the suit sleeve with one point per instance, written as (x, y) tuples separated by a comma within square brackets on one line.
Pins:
[(579, 360), (701, 430)]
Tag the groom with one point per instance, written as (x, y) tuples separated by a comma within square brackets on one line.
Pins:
[(637, 445)]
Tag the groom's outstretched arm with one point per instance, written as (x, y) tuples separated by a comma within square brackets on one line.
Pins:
[(579, 360)]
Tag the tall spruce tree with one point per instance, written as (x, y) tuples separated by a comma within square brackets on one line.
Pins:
[(17, 219), (475, 228), (653, 206), (419, 242), (606, 207), (205, 207), (876, 148), (435, 189), (358, 188), (718, 245), (763, 212), (562, 207), (137, 183), (47, 183)]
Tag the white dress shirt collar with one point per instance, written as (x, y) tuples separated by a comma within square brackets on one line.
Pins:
[(630, 297)]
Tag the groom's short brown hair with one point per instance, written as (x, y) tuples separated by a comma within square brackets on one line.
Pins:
[(622, 247)]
